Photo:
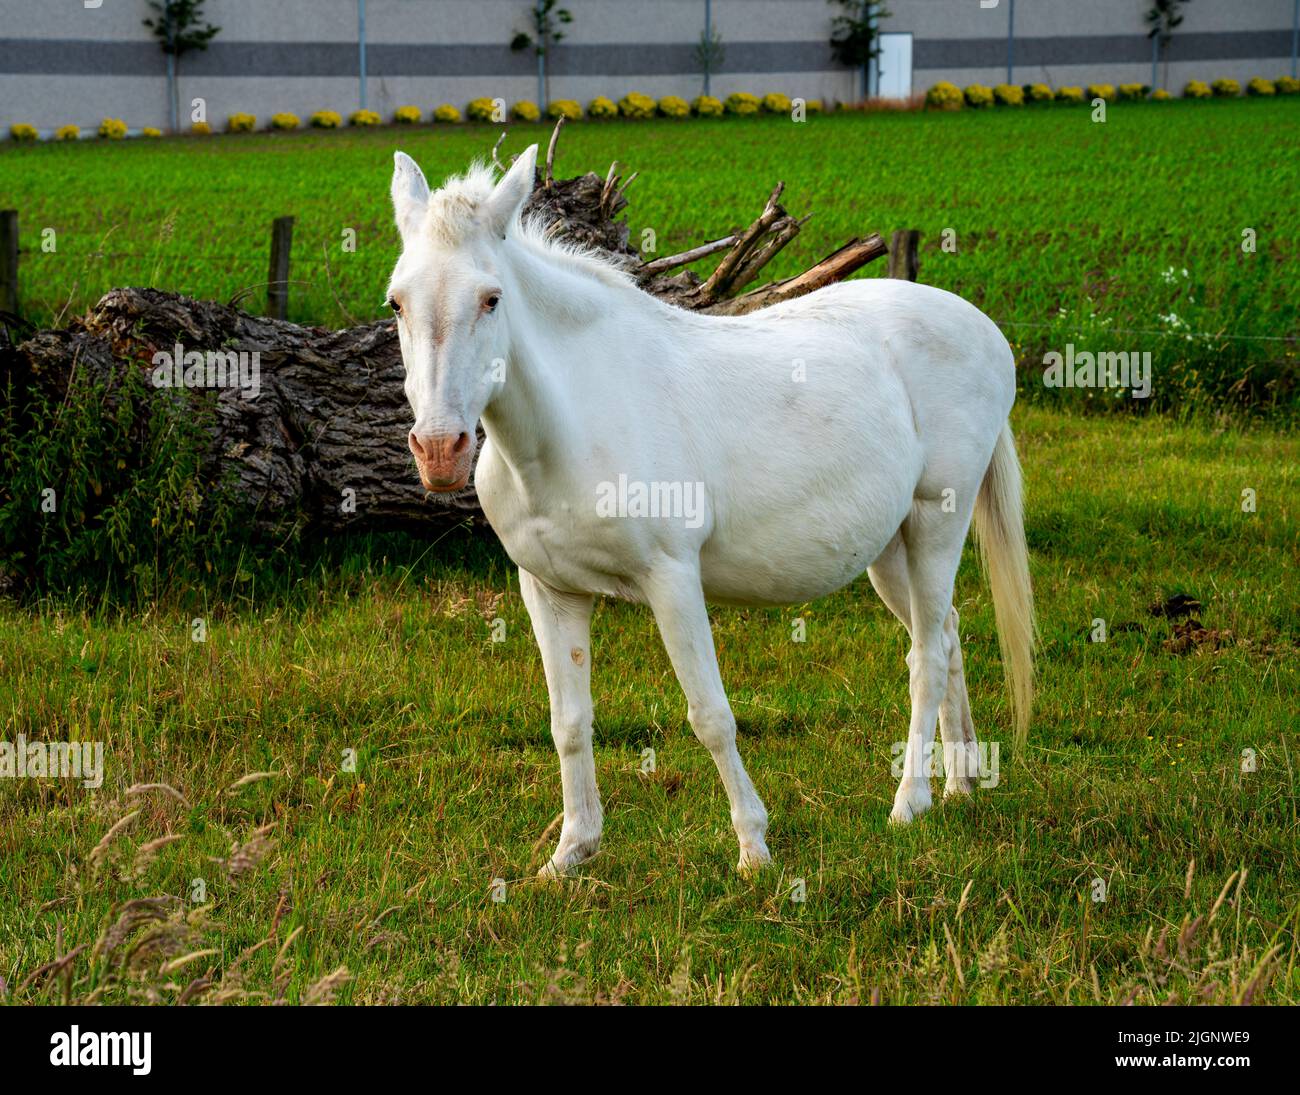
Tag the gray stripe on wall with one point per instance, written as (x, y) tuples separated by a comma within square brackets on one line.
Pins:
[(80, 57), (679, 59), (92, 58), (930, 53)]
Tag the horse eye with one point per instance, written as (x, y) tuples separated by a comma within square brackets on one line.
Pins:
[(394, 306), (491, 302)]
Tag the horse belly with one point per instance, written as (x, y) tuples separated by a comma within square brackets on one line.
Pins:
[(799, 553), (803, 510)]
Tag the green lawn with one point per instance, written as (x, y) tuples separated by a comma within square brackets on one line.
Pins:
[(1065, 230), (1133, 775), (291, 864)]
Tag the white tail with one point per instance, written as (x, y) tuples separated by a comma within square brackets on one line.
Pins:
[(999, 525)]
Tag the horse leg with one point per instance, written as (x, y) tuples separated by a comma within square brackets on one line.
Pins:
[(961, 754), (562, 624), (677, 601), (888, 575), (933, 540)]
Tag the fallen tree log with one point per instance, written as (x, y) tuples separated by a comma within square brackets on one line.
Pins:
[(322, 444)]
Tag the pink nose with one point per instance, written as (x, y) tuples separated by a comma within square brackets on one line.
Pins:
[(443, 458)]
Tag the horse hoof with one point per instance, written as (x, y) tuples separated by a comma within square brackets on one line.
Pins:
[(910, 802), (753, 860), (962, 787), (562, 863)]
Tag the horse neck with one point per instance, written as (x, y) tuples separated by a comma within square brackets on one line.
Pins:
[(535, 417)]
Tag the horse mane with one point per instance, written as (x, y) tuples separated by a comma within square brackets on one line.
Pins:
[(451, 219), (537, 234)]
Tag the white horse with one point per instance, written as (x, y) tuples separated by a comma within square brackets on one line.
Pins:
[(640, 451)]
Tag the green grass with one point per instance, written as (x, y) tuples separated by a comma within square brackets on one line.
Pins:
[(1132, 775), (382, 646), (1064, 229)]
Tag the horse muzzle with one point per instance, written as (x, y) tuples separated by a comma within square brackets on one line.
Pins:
[(443, 460)]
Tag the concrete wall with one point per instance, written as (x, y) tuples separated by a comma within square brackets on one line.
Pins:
[(61, 61), (1064, 42)]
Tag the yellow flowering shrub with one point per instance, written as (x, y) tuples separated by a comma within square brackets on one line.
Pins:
[(23, 132), (944, 96), (1225, 89), (706, 106), (241, 123), (326, 119), (600, 107), (364, 118), (977, 95), (114, 129), (525, 111), (564, 108), (284, 121), (742, 104), (68, 133), (635, 105), (1197, 89), (1009, 95), (673, 106), (447, 114), (407, 115)]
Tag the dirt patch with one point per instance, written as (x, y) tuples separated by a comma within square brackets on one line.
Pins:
[(1176, 607), (1191, 636)]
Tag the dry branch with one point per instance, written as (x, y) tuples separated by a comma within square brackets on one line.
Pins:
[(723, 277), (836, 266), (548, 175), (684, 258)]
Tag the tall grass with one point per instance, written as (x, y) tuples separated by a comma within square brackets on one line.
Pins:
[(376, 881)]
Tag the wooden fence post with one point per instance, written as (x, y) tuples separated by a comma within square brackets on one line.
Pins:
[(902, 253), (277, 288), (9, 261)]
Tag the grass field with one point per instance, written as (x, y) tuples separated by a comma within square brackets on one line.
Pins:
[(1128, 232), (316, 801), (1133, 776)]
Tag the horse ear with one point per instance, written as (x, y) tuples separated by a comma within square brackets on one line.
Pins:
[(503, 204), (410, 193)]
